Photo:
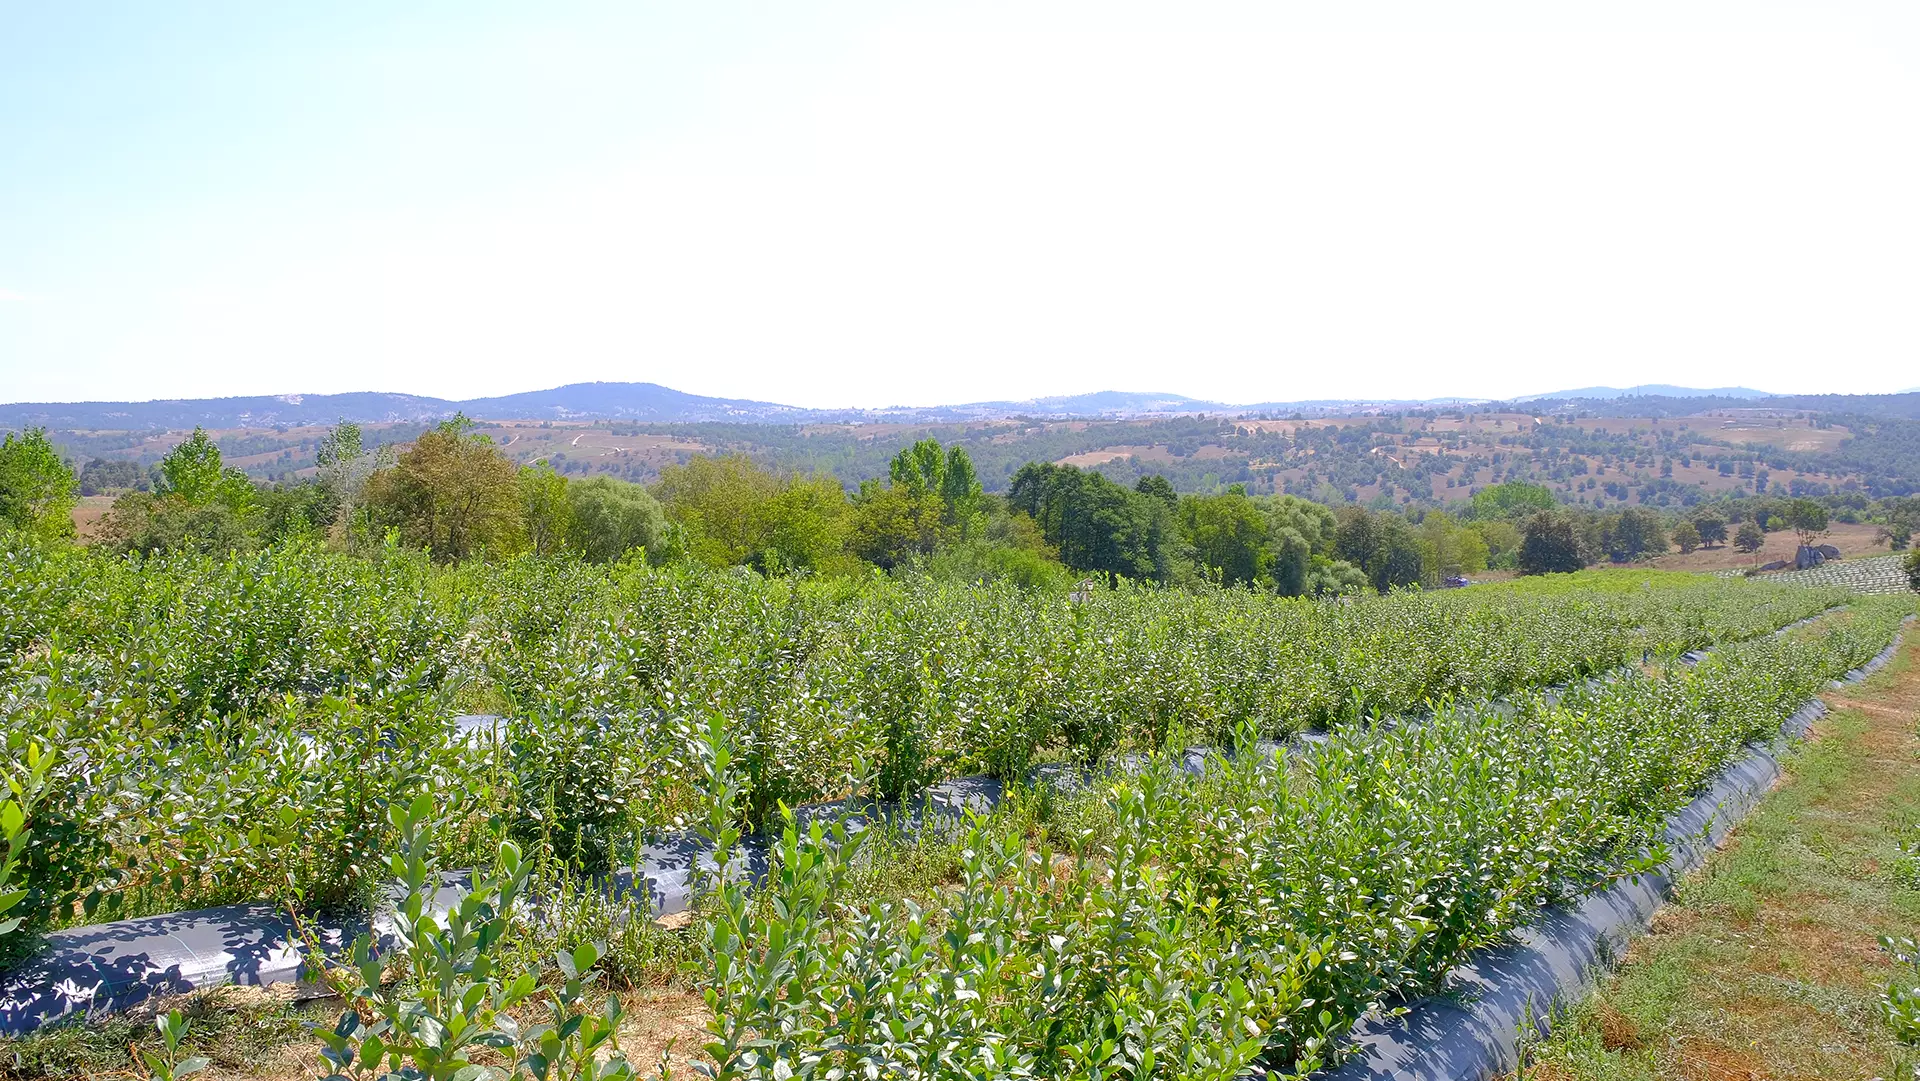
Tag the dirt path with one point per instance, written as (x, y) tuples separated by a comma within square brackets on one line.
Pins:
[(1768, 964), (253, 1034)]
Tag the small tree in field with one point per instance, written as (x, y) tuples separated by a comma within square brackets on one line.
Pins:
[(1711, 528), (1808, 519), (1749, 538), (1687, 536)]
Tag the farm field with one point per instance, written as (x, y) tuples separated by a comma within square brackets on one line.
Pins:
[(1854, 541), (1884, 574), (1769, 962), (281, 727)]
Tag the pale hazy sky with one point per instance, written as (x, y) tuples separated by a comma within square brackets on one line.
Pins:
[(871, 204)]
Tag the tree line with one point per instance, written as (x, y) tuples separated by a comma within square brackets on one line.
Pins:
[(454, 494)]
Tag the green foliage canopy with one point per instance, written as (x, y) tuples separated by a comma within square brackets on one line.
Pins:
[(612, 517), (37, 490), (1549, 545)]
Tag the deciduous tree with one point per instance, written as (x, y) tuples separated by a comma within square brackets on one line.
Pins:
[(1549, 545), (1711, 528), (191, 470), (612, 517), (452, 493), (1808, 520), (1096, 524), (736, 513), (545, 509), (1633, 533), (37, 489), (1687, 536), (1229, 537), (1381, 544)]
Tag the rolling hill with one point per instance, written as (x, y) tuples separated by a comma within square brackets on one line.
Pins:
[(1646, 390)]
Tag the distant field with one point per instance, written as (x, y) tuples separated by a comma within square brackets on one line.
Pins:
[(590, 449), (1852, 540)]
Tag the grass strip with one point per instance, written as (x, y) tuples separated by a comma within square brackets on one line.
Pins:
[(1767, 965)]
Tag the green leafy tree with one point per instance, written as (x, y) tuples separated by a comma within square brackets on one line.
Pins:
[(1290, 561), (960, 490), (1449, 548), (37, 489), (1159, 487), (296, 509), (452, 493), (1313, 522), (345, 465), (806, 525), (1502, 539), (921, 469), (1711, 529), (718, 501), (1332, 577), (612, 517), (891, 526), (737, 514), (1899, 518), (1634, 533), (1687, 536), (1913, 569), (1096, 524), (1300, 542), (342, 445), (1229, 537), (924, 471), (1549, 545), (140, 522), (1301, 539), (547, 511), (191, 470), (1749, 538), (1808, 519), (197, 504), (1381, 544)]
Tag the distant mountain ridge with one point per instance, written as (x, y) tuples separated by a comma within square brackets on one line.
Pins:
[(1648, 390), (656, 404), (263, 411), (642, 402), (628, 401)]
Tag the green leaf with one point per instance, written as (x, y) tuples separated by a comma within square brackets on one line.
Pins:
[(422, 810)]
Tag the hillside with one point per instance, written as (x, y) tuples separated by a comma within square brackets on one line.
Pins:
[(1431, 456)]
